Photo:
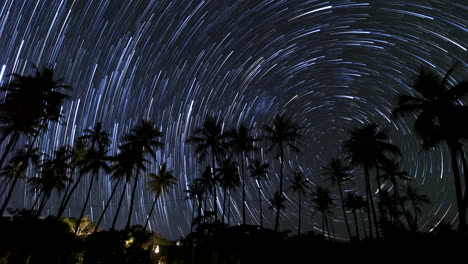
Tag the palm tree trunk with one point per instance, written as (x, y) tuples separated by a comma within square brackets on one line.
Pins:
[(129, 218), (344, 210), (458, 191), (193, 218), (150, 213), (328, 227), (107, 204), (45, 198), (371, 202), (397, 195), (85, 203), (260, 203), (465, 174), (323, 226), (118, 207), (64, 203), (243, 187), (278, 210), (11, 144), (10, 192), (369, 199), (69, 185), (332, 226), (37, 199), (356, 224), (229, 209), (215, 197), (199, 211), (299, 221), (224, 204), (363, 223), (4, 184)]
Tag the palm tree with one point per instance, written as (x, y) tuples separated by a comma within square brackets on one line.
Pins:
[(195, 192), (17, 170), (159, 184), (228, 174), (95, 160), (77, 160), (30, 103), (277, 202), (339, 174), (96, 136), (438, 109), (281, 135), (367, 147), (299, 185), (208, 183), (209, 138), (352, 203), (393, 174), (143, 138), (242, 143), (322, 202), (417, 200), (259, 170)]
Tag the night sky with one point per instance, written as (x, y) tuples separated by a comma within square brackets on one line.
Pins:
[(329, 65)]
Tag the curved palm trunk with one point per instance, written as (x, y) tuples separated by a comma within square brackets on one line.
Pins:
[(356, 224), (45, 198), (215, 197), (243, 187), (370, 201), (344, 210), (458, 192), (11, 144), (229, 209), (129, 218), (107, 205), (363, 223), (192, 219), (85, 203), (67, 190), (328, 227), (260, 202), (66, 200), (224, 204), (8, 197), (150, 213), (278, 210), (37, 199), (118, 207), (4, 185)]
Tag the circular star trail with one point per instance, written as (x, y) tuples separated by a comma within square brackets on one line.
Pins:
[(329, 65)]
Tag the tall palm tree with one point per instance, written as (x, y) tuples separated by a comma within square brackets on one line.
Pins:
[(95, 160), (17, 170), (259, 170), (417, 200), (77, 160), (339, 174), (209, 138), (195, 192), (367, 147), (54, 176), (436, 104), (299, 185), (242, 143), (393, 174), (277, 202), (208, 183), (143, 138), (124, 163), (322, 202), (160, 184), (352, 203), (281, 135), (228, 174)]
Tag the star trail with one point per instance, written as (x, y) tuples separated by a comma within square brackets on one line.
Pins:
[(329, 65)]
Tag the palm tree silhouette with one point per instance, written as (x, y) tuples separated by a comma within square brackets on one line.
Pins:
[(259, 170), (53, 176), (339, 174), (299, 185), (277, 202), (95, 160), (195, 192), (352, 203), (160, 184), (242, 143), (30, 103), (228, 174), (438, 109), (209, 138), (367, 147), (322, 202), (17, 170), (281, 135), (417, 200), (143, 138), (208, 183)]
